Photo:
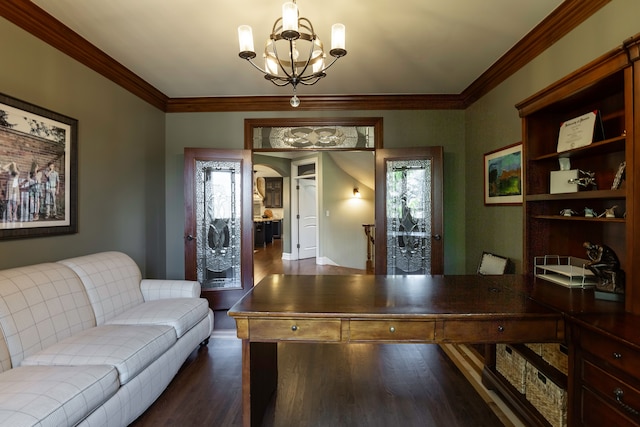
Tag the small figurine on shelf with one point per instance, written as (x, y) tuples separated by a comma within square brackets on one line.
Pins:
[(590, 213), (568, 212), (587, 178), (609, 212), (604, 264)]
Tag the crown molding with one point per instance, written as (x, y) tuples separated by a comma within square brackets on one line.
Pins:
[(556, 25), (39, 23), (315, 103)]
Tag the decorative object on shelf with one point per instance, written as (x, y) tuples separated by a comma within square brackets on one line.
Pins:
[(609, 212), (503, 176), (561, 181), (590, 213), (580, 131), (604, 264), (586, 179), (619, 178), (294, 53), (568, 212)]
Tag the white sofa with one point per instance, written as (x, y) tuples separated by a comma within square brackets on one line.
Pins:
[(85, 341)]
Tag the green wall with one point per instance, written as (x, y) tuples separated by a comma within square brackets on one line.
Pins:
[(493, 122), (120, 156), (131, 154), (342, 238)]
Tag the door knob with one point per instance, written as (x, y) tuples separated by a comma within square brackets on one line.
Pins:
[(189, 237), (437, 237)]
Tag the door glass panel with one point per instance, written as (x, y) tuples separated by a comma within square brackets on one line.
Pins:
[(313, 137), (408, 213), (218, 224)]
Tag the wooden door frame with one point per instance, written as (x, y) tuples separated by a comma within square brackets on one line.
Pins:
[(435, 153), (220, 299), (251, 124)]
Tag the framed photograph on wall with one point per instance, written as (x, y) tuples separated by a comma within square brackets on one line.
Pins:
[(38, 171), (503, 176)]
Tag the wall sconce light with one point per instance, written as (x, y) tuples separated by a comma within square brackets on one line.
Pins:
[(356, 193)]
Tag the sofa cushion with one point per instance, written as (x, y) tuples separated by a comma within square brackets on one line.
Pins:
[(40, 305), (129, 349), (54, 395), (112, 280), (180, 313)]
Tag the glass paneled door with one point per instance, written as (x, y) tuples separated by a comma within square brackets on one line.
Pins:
[(409, 211), (218, 241)]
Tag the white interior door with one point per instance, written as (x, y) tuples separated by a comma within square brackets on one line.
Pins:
[(307, 218)]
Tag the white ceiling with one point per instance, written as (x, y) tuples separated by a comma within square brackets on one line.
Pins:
[(189, 48)]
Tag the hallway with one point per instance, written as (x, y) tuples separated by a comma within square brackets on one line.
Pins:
[(268, 260)]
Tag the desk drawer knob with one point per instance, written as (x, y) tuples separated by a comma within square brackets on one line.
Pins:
[(617, 355), (392, 329), (294, 328), (500, 328)]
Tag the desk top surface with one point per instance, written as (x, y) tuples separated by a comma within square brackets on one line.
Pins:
[(370, 296)]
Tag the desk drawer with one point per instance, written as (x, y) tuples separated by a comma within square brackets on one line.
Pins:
[(499, 331), (385, 330), (611, 351), (596, 412), (294, 330), (620, 395)]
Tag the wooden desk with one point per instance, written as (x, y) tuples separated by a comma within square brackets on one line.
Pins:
[(379, 309)]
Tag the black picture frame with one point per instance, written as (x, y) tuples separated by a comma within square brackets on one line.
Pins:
[(38, 171)]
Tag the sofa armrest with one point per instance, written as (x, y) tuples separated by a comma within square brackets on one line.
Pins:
[(154, 289)]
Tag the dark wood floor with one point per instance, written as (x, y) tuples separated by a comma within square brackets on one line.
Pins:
[(331, 385), (326, 385), (268, 260)]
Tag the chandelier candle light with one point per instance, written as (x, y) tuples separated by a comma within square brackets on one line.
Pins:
[(303, 60)]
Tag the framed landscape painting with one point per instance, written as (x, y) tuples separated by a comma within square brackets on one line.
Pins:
[(38, 171), (503, 176)]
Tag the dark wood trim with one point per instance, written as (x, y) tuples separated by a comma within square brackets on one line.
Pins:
[(315, 103), (562, 20), (436, 155), (39, 23), (219, 299), (606, 65)]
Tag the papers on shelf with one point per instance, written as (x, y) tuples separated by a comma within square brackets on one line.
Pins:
[(580, 131)]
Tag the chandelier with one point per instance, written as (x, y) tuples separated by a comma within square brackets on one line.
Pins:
[(293, 54)]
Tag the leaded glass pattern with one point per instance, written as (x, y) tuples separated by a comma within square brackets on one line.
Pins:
[(409, 214), (313, 137), (218, 224)]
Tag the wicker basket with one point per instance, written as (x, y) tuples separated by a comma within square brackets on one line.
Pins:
[(549, 399), (556, 356), (511, 365), (536, 347)]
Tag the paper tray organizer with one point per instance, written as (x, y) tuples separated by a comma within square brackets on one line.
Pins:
[(564, 270)]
